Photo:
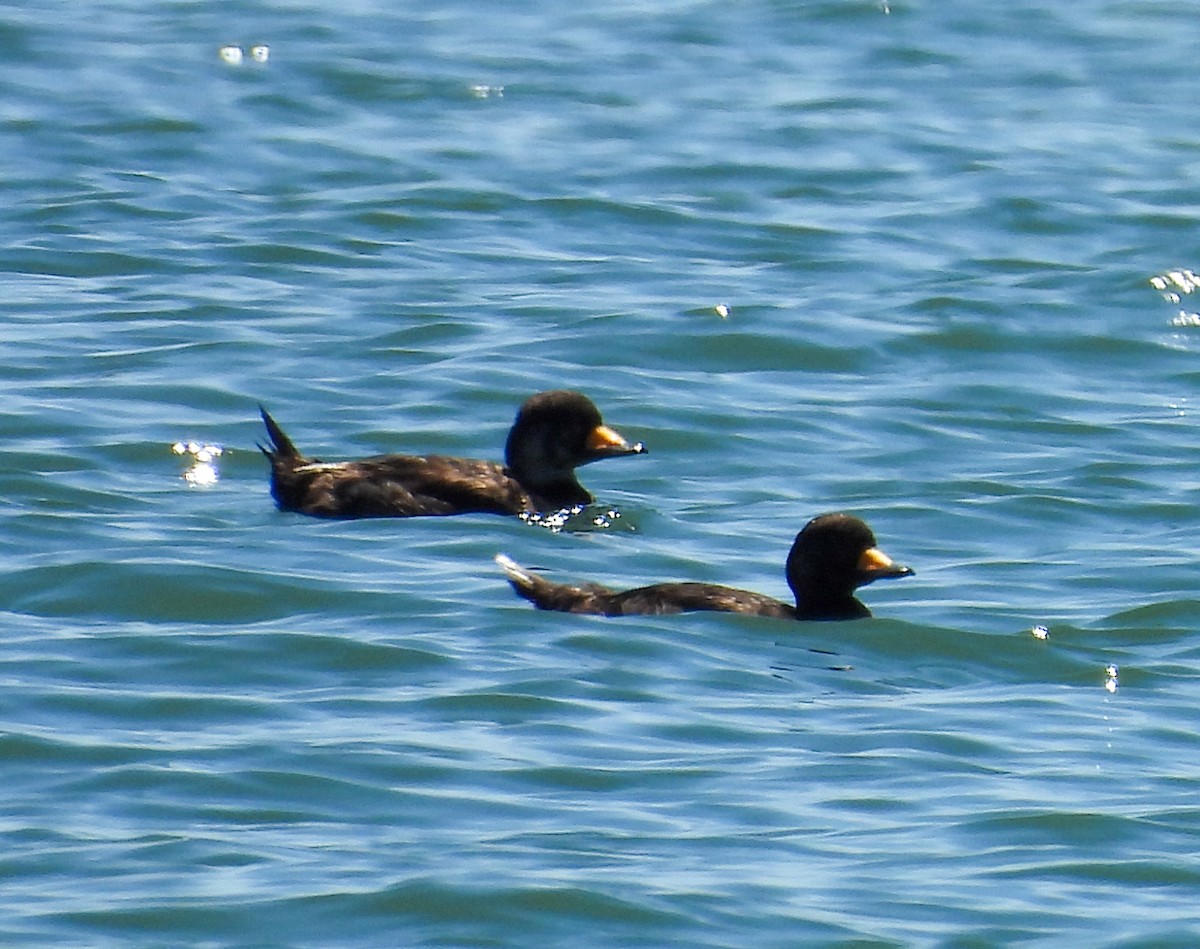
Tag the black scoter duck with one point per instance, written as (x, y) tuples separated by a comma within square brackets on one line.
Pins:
[(553, 434), (832, 556)]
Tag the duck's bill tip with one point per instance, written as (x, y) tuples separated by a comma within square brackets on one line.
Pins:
[(876, 565), (607, 442)]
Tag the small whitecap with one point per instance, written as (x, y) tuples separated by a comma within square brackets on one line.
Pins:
[(231, 54)]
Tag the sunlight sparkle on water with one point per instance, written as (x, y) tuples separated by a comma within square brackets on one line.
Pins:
[(1174, 285), (203, 469), (235, 56)]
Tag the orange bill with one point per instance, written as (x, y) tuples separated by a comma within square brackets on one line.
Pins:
[(602, 438)]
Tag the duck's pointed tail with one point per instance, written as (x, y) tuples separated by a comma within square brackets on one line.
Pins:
[(548, 595), (281, 448), (524, 582)]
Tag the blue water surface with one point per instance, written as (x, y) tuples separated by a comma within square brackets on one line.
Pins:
[(927, 264)]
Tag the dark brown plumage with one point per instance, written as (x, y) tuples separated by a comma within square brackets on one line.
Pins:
[(553, 434), (832, 556)]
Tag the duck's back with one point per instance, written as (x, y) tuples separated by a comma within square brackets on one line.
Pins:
[(657, 599), (694, 597), (396, 486)]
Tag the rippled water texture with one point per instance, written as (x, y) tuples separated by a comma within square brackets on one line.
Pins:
[(932, 264)]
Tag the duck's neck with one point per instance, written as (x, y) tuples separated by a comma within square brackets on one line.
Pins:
[(557, 494), (826, 608)]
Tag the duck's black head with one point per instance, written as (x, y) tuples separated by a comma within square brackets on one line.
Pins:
[(832, 556), (553, 434)]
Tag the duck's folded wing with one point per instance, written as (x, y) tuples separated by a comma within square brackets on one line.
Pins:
[(403, 486), (693, 597), (658, 599)]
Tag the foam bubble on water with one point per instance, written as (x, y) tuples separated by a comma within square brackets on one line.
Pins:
[(605, 519), (553, 521), (578, 518)]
